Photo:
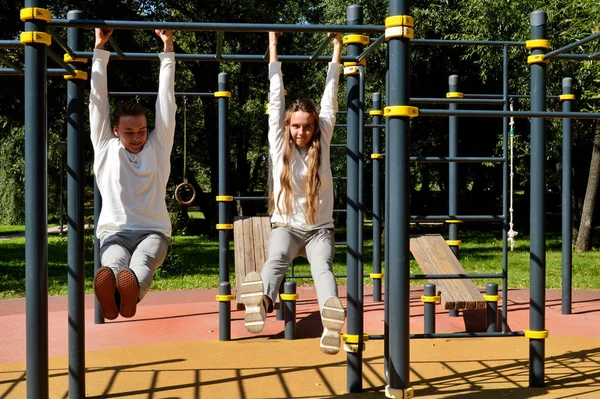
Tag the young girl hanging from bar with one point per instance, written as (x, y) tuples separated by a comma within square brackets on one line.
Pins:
[(302, 208)]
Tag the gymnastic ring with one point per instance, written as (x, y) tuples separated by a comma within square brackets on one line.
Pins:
[(179, 187)]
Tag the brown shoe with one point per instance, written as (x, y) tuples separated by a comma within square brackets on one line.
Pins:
[(105, 286), (129, 289)]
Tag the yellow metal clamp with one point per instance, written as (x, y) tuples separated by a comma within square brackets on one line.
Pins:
[(69, 58), (375, 275), (454, 243), (35, 13), (222, 94), (351, 70), (79, 75), (399, 20), (564, 97), (354, 348), (36, 37), (353, 339), (376, 112), (224, 198), (401, 110), (362, 62), (491, 298), (376, 156), (356, 39), (430, 298), (454, 221), (454, 94), (536, 334), (400, 31), (225, 298), (399, 393), (537, 59), (224, 226), (289, 297), (537, 43)]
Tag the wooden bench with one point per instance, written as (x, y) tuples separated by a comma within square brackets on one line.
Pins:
[(251, 242), (434, 256)]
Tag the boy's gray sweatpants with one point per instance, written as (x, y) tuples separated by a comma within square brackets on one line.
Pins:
[(285, 244), (141, 251)]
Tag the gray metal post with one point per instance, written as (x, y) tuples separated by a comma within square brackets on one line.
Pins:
[(567, 265), (98, 317), (386, 233), (75, 182), (354, 16), (36, 209), (505, 192), (537, 257), (453, 167), (398, 269), (361, 206), (225, 222), (491, 292), (376, 159), (429, 308), (290, 310)]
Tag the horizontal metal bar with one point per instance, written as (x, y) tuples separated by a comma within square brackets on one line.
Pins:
[(578, 57), (456, 159), (154, 93), (10, 44), (211, 57), (502, 96), (516, 114), (339, 177), (376, 337), (213, 26), (419, 100), (463, 276), (340, 210), (51, 72), (338, 146), (250, 198), (442, 42), (466, 218), (372, 125), (568, 47)]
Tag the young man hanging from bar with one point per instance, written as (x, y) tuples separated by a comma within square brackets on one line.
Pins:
[(132, 168)]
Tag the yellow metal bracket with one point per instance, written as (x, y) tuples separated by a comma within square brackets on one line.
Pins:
[(351, 70), (399, 393), (430, 298), (454, 94), (353, 339), (399, 20), (491, 298), (68, 58), (454, 243), (289, 297), (537, 43), (36, 37), (79, 75), (564, 97), (537, 59), (453, 221), (224, 198), (225, 298), (356, 39), (224, 226), (374, 112), (35, 13), (401, 110), (222, 94), (536, 334), (375, 275), (400, 31)]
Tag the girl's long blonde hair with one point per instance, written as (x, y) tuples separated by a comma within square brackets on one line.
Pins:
[(313, 179)]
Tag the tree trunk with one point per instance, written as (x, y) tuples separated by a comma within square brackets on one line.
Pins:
[(584, 238)]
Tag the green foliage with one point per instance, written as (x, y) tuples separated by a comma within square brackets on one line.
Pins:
[(12, 178)]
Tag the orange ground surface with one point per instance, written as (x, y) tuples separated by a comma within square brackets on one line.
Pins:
[(170, 349)]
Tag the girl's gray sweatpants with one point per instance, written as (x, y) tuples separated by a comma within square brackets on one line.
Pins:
[(141, 251), (285, 244)]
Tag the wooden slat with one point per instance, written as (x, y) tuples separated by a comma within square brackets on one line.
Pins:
[(435, 257)]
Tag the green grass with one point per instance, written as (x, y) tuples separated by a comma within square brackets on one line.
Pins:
[(193, 263)]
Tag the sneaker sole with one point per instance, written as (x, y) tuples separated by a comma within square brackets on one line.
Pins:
[(129, 289), (251, 295), (333, 317), (104, 288)]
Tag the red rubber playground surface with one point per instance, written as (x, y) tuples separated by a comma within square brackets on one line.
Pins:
[(170, 349)]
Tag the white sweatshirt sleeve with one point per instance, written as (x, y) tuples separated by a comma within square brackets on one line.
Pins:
[(100, 128), (329, 102), (276, 108), (165, 103)]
